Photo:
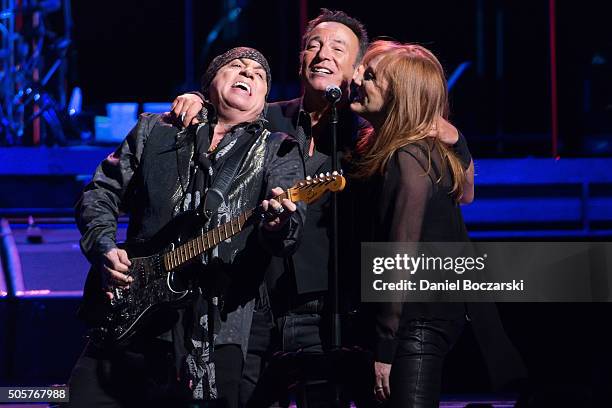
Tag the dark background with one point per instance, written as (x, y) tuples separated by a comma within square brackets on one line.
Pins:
[(135, 51)]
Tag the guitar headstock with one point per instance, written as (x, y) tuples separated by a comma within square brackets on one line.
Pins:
[(312, 188)]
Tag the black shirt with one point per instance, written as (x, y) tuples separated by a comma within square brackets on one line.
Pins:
[(294, 280), (415, 204)]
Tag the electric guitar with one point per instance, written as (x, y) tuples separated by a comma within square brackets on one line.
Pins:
[(157, 265)]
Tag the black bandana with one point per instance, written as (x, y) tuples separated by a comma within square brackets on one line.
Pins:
[(234, 53)]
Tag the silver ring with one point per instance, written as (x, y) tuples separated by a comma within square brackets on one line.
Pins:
[(379, 388), (279, 210), (182, 116)]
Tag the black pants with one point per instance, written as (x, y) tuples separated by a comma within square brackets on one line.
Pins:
[(228, 372), (260, 349), (301, 337), (142, 374), (416, 372), (298, 330), (145, 375)]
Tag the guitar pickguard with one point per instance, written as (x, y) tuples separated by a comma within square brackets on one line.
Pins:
[(152, 289)]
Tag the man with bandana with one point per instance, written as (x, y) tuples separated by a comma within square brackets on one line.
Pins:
[(161, 170)]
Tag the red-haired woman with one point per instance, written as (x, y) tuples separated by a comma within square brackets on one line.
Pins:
[(401, 91)]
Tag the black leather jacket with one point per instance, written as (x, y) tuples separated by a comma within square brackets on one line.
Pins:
[(147, 176)]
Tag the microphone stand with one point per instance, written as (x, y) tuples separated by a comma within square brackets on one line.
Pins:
[(336, 340), (333, 278)]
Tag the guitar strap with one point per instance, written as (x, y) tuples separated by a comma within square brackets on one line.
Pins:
[(217, 192)]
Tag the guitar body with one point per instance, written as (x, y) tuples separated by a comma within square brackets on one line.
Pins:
[(154, 290)]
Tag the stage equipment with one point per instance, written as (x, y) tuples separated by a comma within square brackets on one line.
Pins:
[(33, 62)]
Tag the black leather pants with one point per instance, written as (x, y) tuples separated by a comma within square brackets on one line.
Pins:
[(417, 368)]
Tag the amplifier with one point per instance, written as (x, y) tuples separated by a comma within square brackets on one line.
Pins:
[(51, 260)]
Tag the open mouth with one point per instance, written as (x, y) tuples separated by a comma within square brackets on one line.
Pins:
[(242, 85), (321, 70), (355, 94), (356, 98)]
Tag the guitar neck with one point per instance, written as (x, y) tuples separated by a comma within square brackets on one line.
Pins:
[(195, 247)]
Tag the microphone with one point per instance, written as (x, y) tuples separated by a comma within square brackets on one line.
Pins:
[(333, 93)]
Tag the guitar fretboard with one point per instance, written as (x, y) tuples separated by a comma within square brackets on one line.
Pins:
[(195, 247)]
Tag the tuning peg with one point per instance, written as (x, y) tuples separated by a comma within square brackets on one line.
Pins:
[(308, 178)]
